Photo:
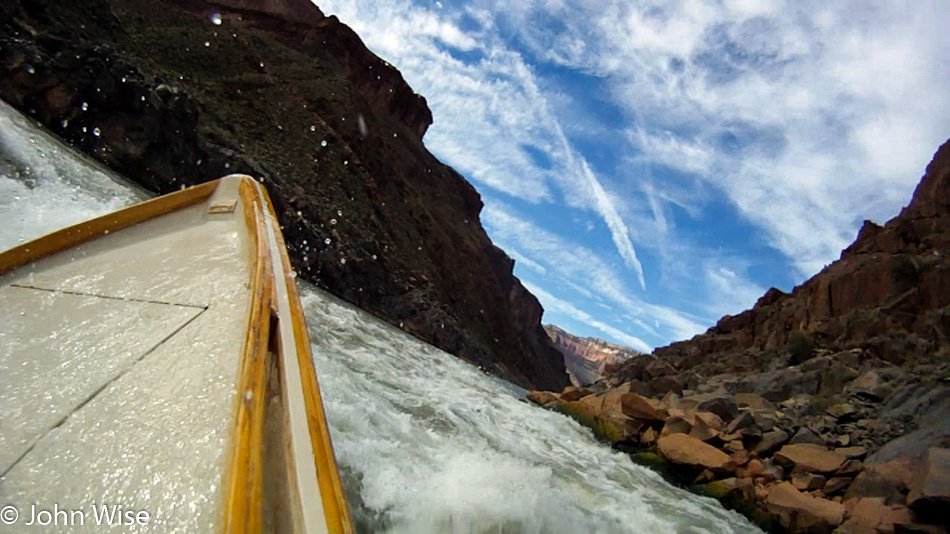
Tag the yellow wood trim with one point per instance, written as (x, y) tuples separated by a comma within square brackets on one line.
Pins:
[(328, 476), (85, 231), (243, 477)]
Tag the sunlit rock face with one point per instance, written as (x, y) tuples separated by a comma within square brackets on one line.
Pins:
[(586, 358), (887, 294), (175, 93)]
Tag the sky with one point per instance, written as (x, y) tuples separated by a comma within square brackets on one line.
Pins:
[(653, 166)]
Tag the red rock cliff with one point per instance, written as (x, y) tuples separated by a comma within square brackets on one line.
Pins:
[(888, 293), (587, 358)]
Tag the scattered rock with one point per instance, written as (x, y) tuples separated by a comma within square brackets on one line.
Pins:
[(803, 511), (684, 450), (676, 425), (744, 420), (842, 412), (572, 393), (809, 458), (881, 480), (770, 442), (869, 387), (807, 481), (836, 485), (741, 489), (658, 368), (662, 385), (701, 430), (753, 401), (643, 408), (648, 436), (850, 468), (710, 419), (722, 405), (806, 436), (542, 398)]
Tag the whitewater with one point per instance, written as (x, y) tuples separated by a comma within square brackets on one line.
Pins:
[(426, 443)]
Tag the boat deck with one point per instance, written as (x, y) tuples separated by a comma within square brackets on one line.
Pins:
[(98, 409)]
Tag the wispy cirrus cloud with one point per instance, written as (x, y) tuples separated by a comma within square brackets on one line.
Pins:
[(695, 152)]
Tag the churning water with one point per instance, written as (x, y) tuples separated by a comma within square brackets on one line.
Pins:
[(425, 442)]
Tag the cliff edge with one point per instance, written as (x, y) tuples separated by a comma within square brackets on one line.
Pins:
[(173, 93)]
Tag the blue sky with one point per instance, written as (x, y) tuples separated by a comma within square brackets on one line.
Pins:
[(652, 166)]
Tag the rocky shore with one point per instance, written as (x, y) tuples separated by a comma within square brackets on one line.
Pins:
[(825, 409)]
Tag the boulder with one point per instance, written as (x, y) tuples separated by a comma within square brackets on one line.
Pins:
[(662, 385), (807, 481), (658, 368), (744, 420), (875, 514), (842, 412), (802, 511), (850, 468), (648, 436), (701, 430), (809, 458), (572, 393), (929, 496), (684, 450), (542, 398), (869, 387), (676, 425), (805, 435), (710, 419), (741, 489), (766, 420), (610, 425), (772, 471), (836, 485), (617, 428), (753, 402), (722, 405), (882, 480), (643, 408), (770, 442), (756, 467), (671, 400)]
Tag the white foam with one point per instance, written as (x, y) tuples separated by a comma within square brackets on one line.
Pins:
[(46, 185), (430, 444)]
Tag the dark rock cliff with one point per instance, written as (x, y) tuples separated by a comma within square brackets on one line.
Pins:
[(161, 93), (888, 294)]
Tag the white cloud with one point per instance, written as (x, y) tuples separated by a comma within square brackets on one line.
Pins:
[(805, 117), (487, 112), (568, 263)]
